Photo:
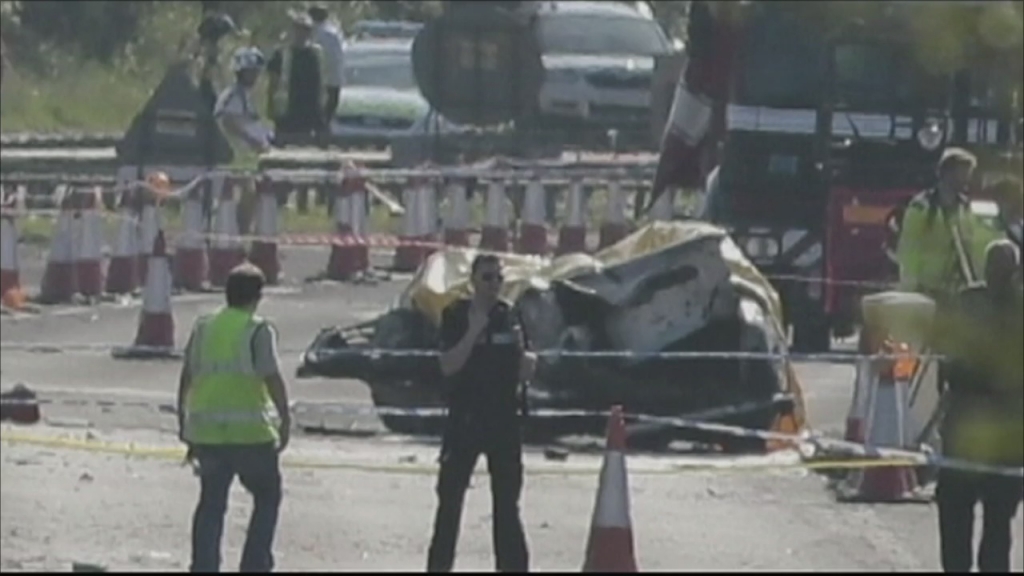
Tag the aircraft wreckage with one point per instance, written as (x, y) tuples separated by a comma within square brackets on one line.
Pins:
[(668, 287)]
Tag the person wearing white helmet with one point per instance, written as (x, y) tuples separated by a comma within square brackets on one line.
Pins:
[(235, 109)]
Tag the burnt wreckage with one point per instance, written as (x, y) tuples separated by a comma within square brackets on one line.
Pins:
[(668, 287)]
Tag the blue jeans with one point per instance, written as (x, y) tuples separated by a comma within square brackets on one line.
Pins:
[(260, 473)]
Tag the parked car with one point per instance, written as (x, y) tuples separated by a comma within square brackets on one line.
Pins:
[(380, 100), (599, 63), (390, 29)]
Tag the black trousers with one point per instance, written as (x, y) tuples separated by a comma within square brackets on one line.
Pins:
[(459, 453), (331, 104), (257, 466), (957, 494)]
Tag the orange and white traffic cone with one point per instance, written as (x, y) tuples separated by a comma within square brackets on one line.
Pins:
[(614, 227), (418, 224), (885, 427), (350, 256), (533, 228), (572, 236), (123, 269), (89, 258), (494, 233), (858, 403), (190, 265), (263, 251), (456, 221), (155, 336), (226, 250), (58, 283), (610, 544), (149, 227), (11, 294)]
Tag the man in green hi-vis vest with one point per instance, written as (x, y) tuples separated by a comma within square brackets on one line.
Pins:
[(230, 380)]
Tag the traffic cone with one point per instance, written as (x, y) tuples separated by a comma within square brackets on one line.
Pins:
[(456, 222), (58, 283), (350, 256), (418, 225), (155, 337), (614, 227), (11, 293), (226, 249), (123, 269), (858, 403), (263, 252), (610, 544), (533, 229), (89, 260), (572, 236), (149, 227), (190, 264), (494, 233), (884, 427)]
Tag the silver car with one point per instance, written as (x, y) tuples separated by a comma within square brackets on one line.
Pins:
[(380, 100), (599, 63)]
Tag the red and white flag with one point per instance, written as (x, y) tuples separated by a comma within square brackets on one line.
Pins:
[(696, 114)]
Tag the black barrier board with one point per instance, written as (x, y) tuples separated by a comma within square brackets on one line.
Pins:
[(175, 128)]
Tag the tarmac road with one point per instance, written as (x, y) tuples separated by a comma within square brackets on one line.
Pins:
[(59, 505)]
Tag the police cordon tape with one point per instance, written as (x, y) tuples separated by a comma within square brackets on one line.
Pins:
[(831, 357), (809, 444)]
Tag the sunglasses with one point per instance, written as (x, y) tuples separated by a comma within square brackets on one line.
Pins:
[(491, 277)]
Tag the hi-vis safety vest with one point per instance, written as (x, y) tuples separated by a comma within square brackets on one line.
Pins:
[(280, 98), (928, 258), (227, 402)]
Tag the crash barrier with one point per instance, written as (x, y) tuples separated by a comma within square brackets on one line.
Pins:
[(212, 241)]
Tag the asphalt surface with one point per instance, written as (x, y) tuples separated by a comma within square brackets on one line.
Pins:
[(768, 519)]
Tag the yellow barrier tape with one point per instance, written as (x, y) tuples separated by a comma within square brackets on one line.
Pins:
[(178, 453)]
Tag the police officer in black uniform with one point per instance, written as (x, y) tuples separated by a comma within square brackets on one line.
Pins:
[(984, 422), (485, 362)]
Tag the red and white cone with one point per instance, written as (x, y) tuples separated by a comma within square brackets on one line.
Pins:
[(350, 256), (190, 265), (149, 226), (572, 236), (58, 283), (494, 234), (885, 427), (533, 228), (155, 336), (226, 249), (89, 257), (418, 224), (123, 269), (614, 227), (456, 221), (610, 544), (11, 294), (263, 251)]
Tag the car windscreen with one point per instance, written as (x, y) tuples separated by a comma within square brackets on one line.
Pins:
[(380, 71), (880, 77), (593, 34), (780, 64)]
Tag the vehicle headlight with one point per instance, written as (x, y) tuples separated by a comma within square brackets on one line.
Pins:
[(564, 76), (761, 247), (930, 136)]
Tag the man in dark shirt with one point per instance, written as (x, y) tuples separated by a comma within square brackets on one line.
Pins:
[(295, 84), (485, 361), (984, 421)]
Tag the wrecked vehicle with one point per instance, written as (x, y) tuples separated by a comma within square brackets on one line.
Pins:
[(668, 287)]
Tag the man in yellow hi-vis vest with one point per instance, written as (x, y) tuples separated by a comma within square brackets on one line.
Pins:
[(295, 75), (941, 240), (229, 381)]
